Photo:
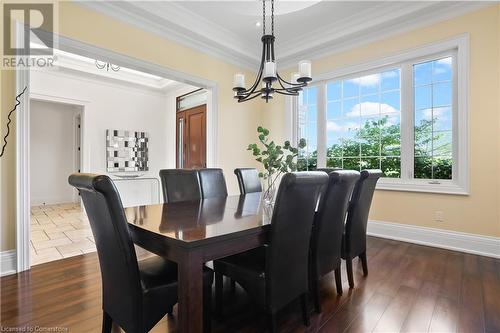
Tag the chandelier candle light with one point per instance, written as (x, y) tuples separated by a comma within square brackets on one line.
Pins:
[(268, 72)]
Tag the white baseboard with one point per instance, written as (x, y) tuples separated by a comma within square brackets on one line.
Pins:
[(8, 262), (451, 240)]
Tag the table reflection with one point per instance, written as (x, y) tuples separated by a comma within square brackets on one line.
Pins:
[(249, 204), (199, 220)]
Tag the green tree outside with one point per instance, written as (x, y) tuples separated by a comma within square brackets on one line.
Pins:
[(377, 144)]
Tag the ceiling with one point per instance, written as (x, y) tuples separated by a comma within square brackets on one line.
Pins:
[(304, 29)]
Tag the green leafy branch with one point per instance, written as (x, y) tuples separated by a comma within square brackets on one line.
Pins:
[(276, 159)]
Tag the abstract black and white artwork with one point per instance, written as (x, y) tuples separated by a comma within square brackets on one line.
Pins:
[(126, 151)]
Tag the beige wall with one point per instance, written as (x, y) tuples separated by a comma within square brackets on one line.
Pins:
[(477, 213), (237, 122)]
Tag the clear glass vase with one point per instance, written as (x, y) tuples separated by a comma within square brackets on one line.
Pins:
[(269, 191)]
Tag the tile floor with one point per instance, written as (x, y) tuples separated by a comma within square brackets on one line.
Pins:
[(59, 231)]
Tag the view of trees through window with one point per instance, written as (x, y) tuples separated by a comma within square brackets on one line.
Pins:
[(363, 122), (433, 119)]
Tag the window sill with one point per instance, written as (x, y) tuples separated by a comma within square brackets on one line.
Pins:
[(446, 187)]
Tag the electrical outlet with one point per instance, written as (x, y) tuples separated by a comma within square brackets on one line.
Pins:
[(439, 216)]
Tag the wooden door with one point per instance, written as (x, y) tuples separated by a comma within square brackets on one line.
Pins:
[(191, 138)]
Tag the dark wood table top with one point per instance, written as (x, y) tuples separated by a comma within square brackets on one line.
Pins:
[(197, 223)]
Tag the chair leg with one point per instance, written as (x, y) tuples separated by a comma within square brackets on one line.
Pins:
[(350, 275), (207, 309), (218, 294), (364, 263), (273, 325), (305, 310), (107, 322), (338, 281), (315, 293)]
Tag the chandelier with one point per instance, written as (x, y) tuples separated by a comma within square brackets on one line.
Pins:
[(268, 73), (107, 66)]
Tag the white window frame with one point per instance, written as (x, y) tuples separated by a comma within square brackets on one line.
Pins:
[(458, 48)]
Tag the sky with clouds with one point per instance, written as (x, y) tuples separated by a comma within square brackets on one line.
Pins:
[(355, 101)]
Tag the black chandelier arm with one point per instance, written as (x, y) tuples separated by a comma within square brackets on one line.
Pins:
[(245, 95), (289, 83), (249, 97), (288, 93), (293, 90), (99, 65)]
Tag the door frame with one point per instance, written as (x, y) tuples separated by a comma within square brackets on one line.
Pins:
[(22, 124), (185, 129)]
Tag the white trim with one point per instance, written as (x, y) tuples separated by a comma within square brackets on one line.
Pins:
[(451, 240), (321, 120), (22, 125), (23, 225), (7, 262), (458, 47)]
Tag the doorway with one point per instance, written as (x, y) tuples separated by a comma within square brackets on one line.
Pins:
[(59, 229), (191, 133)]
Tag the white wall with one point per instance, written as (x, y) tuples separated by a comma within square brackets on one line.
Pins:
[(52, 143), (113, 106)]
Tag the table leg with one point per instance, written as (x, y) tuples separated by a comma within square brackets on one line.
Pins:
[(190, 294)]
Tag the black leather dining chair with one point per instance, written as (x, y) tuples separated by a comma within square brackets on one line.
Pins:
[(354, 239), (277, 274), (180, 185), (326, 239), (135, 294), (248, 180), (213, 183)]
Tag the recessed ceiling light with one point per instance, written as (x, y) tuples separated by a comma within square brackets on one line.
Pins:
[(258, 24)]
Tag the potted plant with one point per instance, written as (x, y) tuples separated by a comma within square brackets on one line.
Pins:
[(275, 159)]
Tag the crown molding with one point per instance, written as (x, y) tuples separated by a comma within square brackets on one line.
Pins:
[(213, 39)]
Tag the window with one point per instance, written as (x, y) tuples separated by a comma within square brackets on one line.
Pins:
[(406, 117), (363, 123), (432, 82), (307, 120)]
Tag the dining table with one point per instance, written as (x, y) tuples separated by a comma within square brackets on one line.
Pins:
[(192, 233)]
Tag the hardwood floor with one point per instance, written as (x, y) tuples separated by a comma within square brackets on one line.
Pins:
[(410, 288)]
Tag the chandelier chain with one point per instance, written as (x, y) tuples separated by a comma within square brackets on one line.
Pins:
[(263, 17), (272, 17)]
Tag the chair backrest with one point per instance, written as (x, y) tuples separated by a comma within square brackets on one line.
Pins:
[(326, 240), (121, 288), (213, 183), (180, 185), (328, 170), (248, 180), (291, 224), (357, 215)]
